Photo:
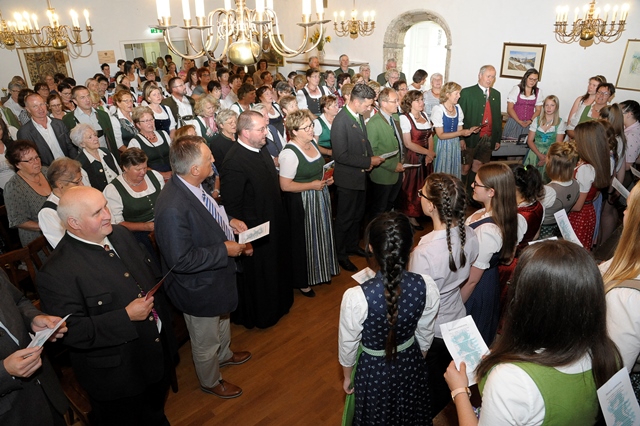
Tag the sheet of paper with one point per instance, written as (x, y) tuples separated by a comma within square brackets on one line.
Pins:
[(365, 275), (635, 172), (408, 166), (157, 286), (389, 154), (464, 343), (618, 186), (565, 227), (327, 170), (254, 233), (618, 402), (41, 336), (546, 239)]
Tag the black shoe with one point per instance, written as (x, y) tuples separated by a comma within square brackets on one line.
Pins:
[(347, 265), (358, 252), (308, 293)]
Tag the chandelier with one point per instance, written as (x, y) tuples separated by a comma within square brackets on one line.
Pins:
[(354, 27), (590, 28), (25, 32), (245, 33)]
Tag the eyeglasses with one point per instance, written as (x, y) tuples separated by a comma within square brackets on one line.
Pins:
[(31, 160), (146, 121), (75, 182), (420, 194), (603, 93), (306, 128), (474, 184)]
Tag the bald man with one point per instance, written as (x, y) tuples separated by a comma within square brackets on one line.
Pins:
[(121, 344)]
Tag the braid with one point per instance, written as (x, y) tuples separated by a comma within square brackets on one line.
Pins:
[(460, 209), (446, 210), (463, 237), (391, 270)]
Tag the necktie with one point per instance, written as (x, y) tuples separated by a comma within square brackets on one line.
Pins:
[(395, 132), (209, 204)]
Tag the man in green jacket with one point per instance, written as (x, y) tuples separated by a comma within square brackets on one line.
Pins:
[(99, 120), (384, 133)]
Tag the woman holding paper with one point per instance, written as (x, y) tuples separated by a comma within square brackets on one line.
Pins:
[(391, 318), (314, 260), (554, 346)]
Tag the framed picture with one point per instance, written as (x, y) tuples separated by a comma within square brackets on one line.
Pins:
[(629, 75), (268, 53), (35, 62), (517, 58)]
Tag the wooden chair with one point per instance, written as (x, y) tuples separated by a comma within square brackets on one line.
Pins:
[(37, 246), (11, 262)]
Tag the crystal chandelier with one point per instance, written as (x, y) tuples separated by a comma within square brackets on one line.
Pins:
[(244, 33), (354, 27), (25, 32), (590, 28)]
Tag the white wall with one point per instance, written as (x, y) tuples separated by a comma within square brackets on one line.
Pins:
[(478, 30)]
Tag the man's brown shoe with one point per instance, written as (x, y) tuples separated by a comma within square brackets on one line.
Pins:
[(223, 390), (237, 359)]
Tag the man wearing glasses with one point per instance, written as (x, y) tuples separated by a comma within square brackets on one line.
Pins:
[(50, 135), (179, 103)]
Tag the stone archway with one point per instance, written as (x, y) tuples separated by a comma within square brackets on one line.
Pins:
[(393, 45)]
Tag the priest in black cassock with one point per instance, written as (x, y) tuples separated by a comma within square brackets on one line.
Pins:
[(251, 188)]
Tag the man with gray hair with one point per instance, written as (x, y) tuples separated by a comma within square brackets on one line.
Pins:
[(344, 66), (121, 343), (391, 63), (196, 238)]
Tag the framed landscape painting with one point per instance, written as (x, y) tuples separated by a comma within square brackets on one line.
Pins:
[(629, 75), (36, 62), (517, 58)]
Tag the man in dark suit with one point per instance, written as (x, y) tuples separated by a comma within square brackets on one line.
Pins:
[(353, 160), (195, 244), (50, 135), (30, 393), (480, 104), (121, 344)]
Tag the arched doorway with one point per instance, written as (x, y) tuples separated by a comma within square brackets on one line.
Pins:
[(432, 23)]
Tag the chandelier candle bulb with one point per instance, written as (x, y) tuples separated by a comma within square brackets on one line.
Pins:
[(34, 18), (306, 7), (50, 16), (260, 8), (625, 12), (270, 4), (606, 13), (227, 4), (27, 19), (319, 7), (86, 17), (199, 8), (186, 11), (74, 18)]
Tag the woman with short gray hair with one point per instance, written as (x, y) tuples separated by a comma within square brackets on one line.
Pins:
[(100, 166), (222, 141), (432, 96)]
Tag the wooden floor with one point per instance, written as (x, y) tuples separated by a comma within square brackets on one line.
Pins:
[(293, 378)]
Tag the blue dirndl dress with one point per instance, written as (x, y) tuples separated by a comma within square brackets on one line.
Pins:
[(448, 150), (392, 393)]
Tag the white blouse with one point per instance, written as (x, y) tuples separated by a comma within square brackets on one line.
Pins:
[(289, 161), (353, 313), (405, 125), (114, 200), (490, 238)]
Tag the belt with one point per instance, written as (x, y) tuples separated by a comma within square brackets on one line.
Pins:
[(188, 117), (382, 352)]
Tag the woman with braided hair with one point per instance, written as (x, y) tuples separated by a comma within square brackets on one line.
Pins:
[(387, 325), (446, 255)]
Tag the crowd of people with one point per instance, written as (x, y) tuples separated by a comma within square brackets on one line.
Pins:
[(157, 169)]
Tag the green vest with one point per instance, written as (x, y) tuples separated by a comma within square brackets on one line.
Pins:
[(569, 399), (138, 209), (324, 140), (584, 117), (307, 171), (158, 155)]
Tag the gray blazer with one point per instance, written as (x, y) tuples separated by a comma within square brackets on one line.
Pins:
[(29, 132)]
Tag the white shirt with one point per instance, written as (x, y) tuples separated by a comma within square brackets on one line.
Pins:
[(302, 99), (585, 176), (405, 125), (431, 257), (50, 138), (197, 192), (184, 109), (13, 106), (117, 126), (108, 173), (353, 313), (229, 100), (511, 397), (490, 238), (50, 223), (438, 121), (134, 143), (114, 200), (6, 171), (289, 161)]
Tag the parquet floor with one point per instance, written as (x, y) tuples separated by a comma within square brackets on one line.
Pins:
[(293, 378)]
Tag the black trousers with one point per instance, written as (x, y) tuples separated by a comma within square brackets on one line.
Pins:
[(350, 207), (382, 198), (438, 359)]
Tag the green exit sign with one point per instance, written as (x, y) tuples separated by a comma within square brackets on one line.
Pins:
[(155, 31)]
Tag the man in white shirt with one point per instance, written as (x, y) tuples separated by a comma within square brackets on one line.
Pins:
[(50, 135), (235, 81), (179, 103)]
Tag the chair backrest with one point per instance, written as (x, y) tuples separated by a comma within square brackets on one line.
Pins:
[(37, 246), (11, 263)]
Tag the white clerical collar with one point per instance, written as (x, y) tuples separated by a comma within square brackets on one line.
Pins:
[(250, 148)]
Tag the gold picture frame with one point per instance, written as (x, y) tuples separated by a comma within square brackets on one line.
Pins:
[(517, 58), (629, 74), (35, 62)]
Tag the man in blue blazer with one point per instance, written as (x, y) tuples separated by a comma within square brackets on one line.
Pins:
[(481, 106), (195, 237), (353, 160)]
